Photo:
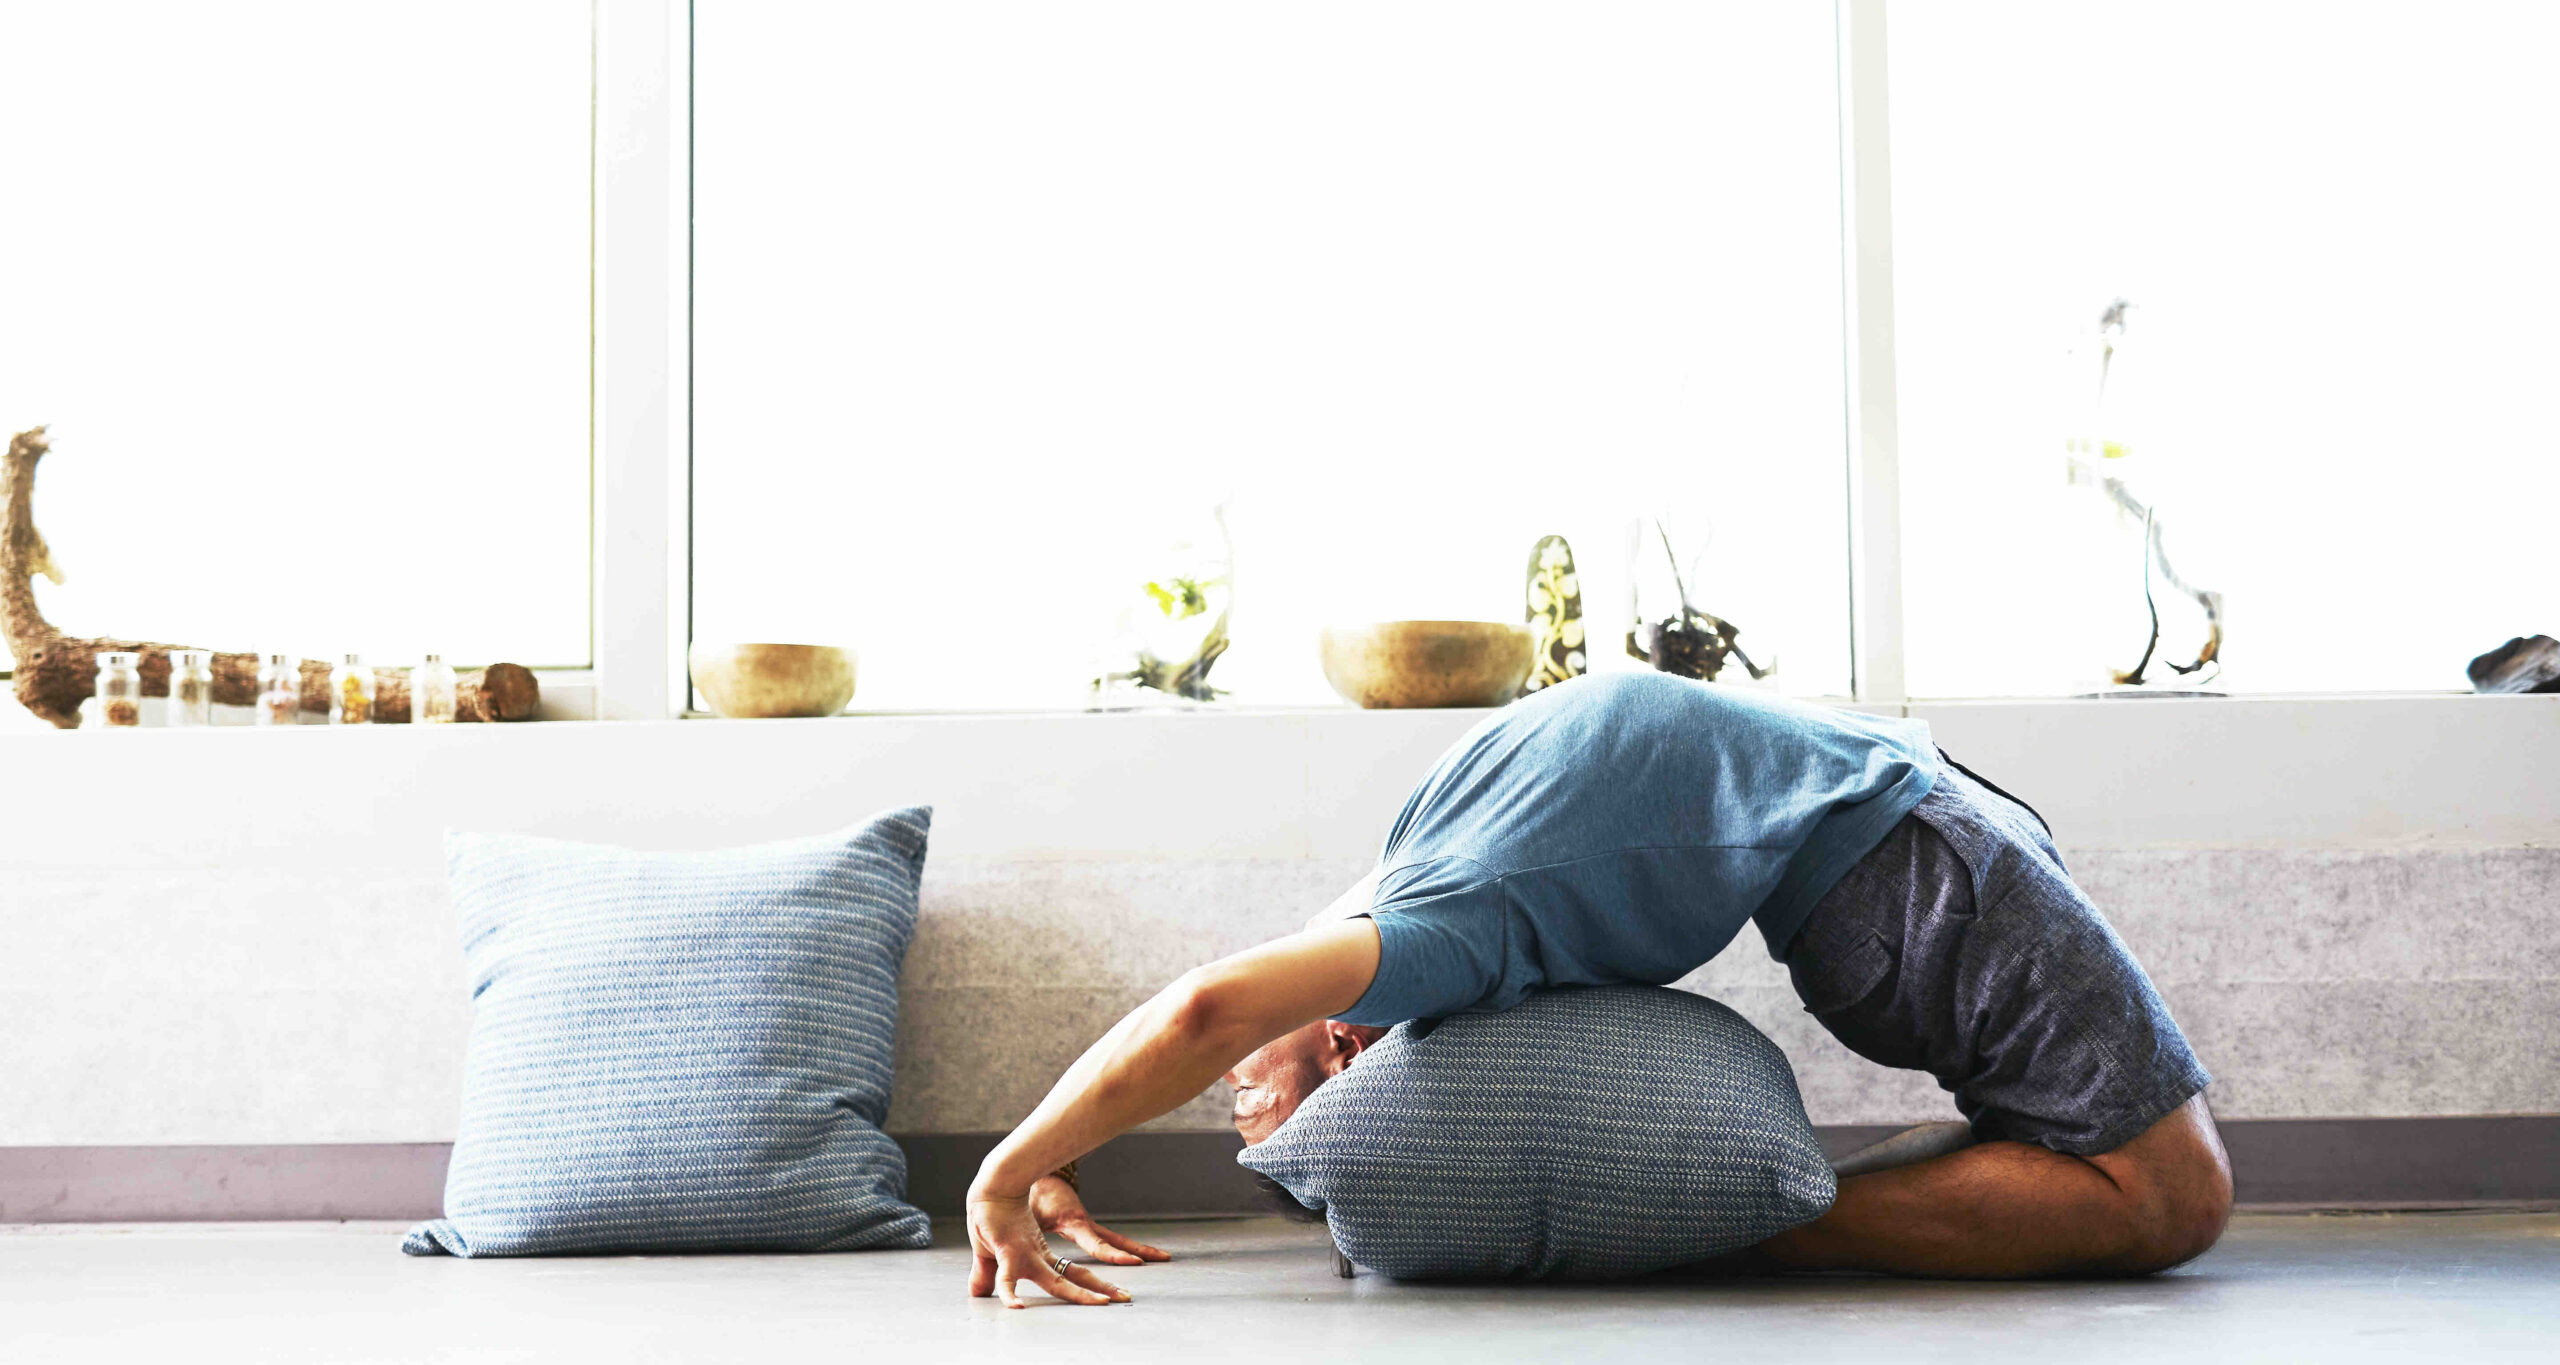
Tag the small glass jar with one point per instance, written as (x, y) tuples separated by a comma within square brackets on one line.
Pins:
[(351, 692), (190, 687), (432, 692), (280, 690), (120, 690)]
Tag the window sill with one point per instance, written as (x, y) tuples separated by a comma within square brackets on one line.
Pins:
[(1318, 782)]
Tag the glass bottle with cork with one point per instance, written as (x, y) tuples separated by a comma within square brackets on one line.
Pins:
[(120, 689), (190, 688), (280, 690), (433, 692), (351, 692)]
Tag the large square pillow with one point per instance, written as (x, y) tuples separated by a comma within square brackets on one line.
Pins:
[(1582, 1134), (681, 1051)]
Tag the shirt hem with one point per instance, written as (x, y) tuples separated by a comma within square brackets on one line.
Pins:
[(1848, 834)]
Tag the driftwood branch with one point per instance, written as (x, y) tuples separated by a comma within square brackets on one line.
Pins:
[(57, 672)]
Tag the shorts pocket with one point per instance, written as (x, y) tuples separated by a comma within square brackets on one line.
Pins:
[(1831, 977)]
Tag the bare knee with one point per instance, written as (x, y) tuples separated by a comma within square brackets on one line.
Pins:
[(2177, 1182), (2176, 1227)]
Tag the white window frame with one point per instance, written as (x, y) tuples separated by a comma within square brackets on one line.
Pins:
[(1866, 300), (643, 329)]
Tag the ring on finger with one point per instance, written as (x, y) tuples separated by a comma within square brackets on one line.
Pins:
[(1058, 1264)]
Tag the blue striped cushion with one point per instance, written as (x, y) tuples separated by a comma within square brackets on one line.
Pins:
[(1581, 1134), (681, 1051)]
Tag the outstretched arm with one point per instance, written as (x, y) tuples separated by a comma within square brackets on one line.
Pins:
[(1164, 1053)]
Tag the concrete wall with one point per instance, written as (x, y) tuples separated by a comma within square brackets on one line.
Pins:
[(241, 937)]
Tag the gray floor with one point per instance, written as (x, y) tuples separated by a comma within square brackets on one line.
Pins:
[(2381, 1287)]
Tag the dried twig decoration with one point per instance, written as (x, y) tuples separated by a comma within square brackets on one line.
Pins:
[(57, 672)]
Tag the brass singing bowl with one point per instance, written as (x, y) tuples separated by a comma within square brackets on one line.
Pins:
[(1397, 664), (763, 681)]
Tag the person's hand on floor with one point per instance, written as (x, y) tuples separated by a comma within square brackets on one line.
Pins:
[(1061, 1210), (1010, 1249)]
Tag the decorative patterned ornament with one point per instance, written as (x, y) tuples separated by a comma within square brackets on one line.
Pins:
[(1555, 616)]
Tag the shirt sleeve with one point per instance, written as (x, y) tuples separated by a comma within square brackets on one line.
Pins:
[(1443, 955)]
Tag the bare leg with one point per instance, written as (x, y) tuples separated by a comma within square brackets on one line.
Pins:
[(2006, 1209)]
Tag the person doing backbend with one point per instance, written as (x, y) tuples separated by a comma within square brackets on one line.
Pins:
[(1622, 829)]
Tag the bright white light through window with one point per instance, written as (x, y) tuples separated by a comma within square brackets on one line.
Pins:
[(994, 299), (2335, 224), (301, 289)]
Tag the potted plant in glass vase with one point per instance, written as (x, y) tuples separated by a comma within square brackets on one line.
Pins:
[(1173, 628), (1670, 630)]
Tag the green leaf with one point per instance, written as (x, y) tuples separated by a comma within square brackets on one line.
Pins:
[(1185, 599)]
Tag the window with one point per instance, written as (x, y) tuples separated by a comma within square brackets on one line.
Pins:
[(993, 300), (301, 289), (2333, 222)]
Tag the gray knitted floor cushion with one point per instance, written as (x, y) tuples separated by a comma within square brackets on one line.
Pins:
[(1582, 1134), (681, 1051)]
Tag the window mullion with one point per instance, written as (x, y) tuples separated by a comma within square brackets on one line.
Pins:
[(1875, 507), (640, 290)]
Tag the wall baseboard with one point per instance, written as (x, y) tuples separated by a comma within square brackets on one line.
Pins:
[(222, 1184), (2459, 1162)]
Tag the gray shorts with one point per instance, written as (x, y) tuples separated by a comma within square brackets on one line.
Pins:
[(1960, 947)]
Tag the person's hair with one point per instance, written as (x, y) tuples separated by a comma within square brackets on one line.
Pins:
[(1277, 1198)]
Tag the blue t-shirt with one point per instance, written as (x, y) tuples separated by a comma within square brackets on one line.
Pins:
[(1620, 828)]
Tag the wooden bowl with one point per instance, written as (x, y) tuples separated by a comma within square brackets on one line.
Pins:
[(773, 680), (1396, 664)]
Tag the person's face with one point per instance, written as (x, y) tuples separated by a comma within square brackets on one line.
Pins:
[(1271, 1083)]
